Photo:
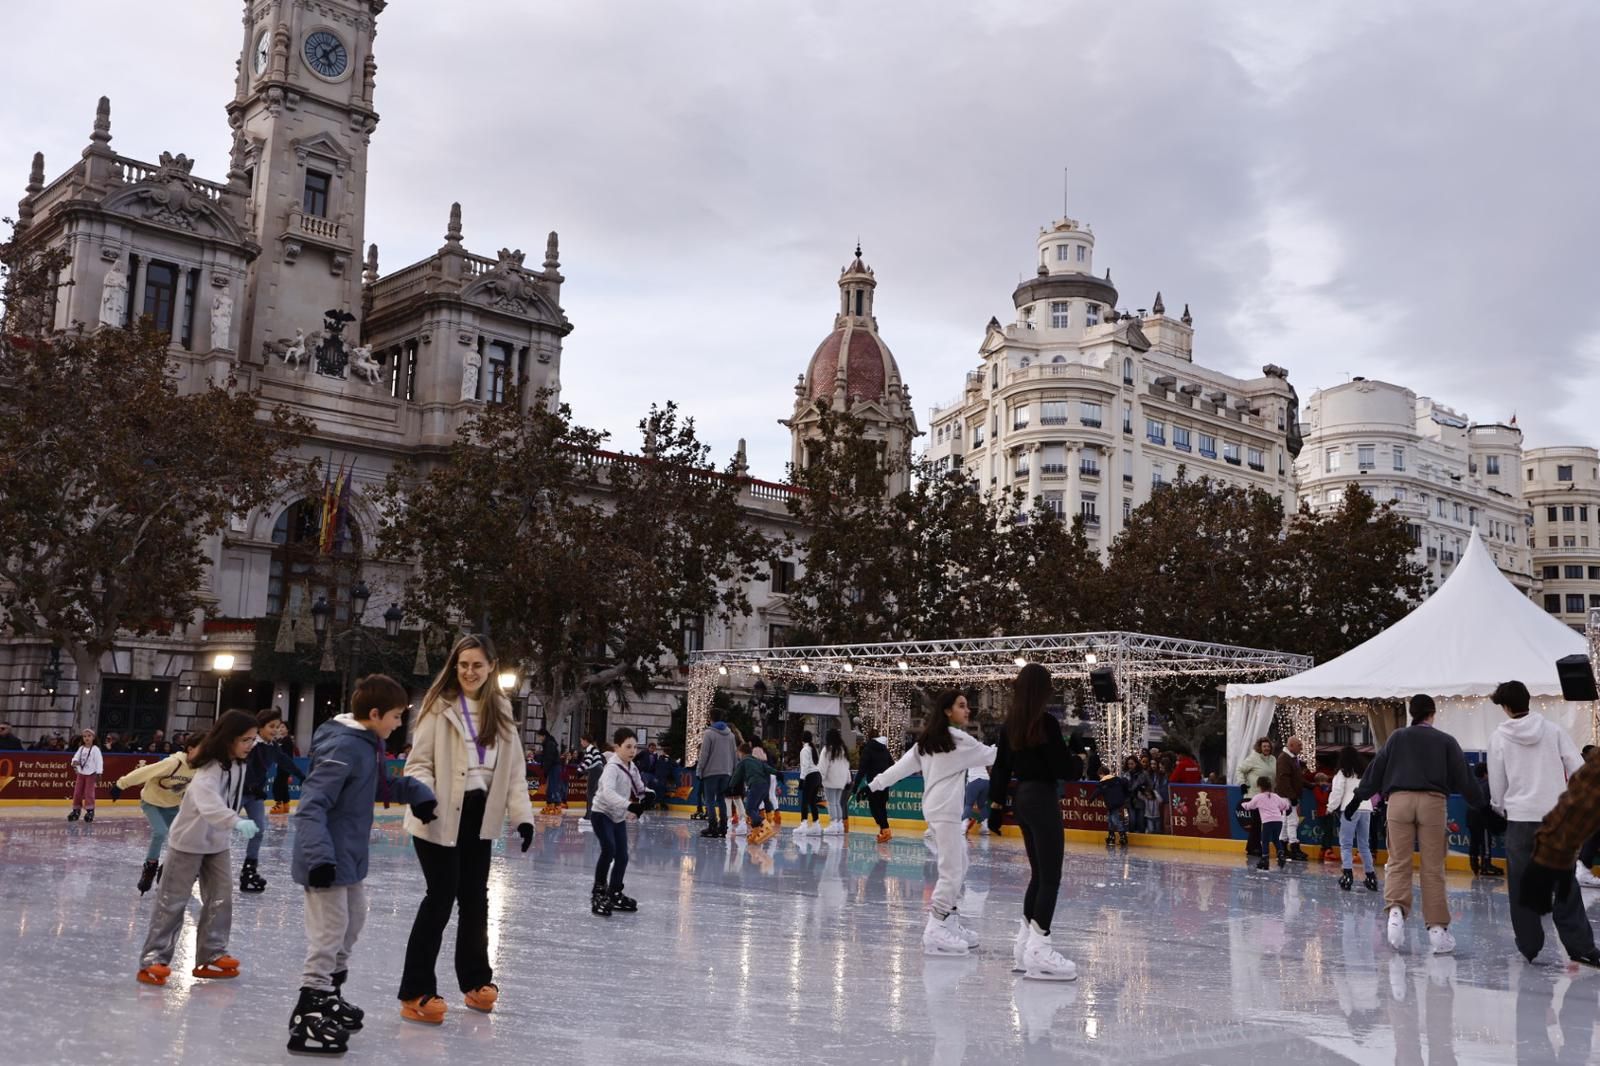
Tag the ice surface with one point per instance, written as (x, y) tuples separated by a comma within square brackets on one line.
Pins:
[(801, 951)]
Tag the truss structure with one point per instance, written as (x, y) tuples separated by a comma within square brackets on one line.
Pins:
[(883, 678)]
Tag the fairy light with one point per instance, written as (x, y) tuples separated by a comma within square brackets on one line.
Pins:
[(955, 664), (1090, 658)]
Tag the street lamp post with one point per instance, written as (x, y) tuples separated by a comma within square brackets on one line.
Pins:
[(322, 612), (222, 663)]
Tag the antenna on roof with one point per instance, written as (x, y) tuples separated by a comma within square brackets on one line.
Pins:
[(1064, 211)]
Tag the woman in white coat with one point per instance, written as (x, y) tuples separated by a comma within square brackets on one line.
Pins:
[(1357, 830), (834, 766), (464, 746)]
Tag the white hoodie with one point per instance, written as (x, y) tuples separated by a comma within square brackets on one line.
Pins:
[(619, 785), (944, 776), (210, 808), (1529, 763), (1342, 791)]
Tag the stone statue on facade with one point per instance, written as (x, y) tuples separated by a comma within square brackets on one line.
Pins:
[(294, 353), (222, 321), (171, 195), (364, 366), (469, 376), (114, 297)]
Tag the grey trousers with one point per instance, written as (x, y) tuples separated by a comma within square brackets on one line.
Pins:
[(1572, 924), (216, 907), (334, 918)]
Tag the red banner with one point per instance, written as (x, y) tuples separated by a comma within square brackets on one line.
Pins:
[(1201, 811), (30, 776)]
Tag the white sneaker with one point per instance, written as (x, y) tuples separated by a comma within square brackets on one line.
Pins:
[(834, 829), (1020, 948), (1586, 877), (1042, 961), (1397, 928), (1440, 940), (937, 939), (966, 936), (740, 830)]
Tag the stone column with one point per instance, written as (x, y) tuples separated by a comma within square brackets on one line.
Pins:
[(1035, 455), (1070, 504)]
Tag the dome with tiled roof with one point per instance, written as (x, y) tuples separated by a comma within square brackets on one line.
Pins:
[(852, 363)]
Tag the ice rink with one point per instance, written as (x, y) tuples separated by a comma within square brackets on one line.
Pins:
[(796, 952)]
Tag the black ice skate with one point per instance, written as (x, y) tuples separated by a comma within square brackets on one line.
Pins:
[(74, 815), (341, 1010), (147, 876), (88, 816), (1346, 879), (600, 903), (1371, 883), (619, 902), (249, 879), (312, 1030)]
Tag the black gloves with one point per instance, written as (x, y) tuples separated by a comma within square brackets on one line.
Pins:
[(1541, 885), (997, 818), (636, 809), (1351, 807), (425, 811), (321, 876), (116, 793), (526, 829)]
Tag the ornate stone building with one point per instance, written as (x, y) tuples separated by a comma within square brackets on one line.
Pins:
[(1088, 409), (1562, 488), (853, 370), (265, 275)]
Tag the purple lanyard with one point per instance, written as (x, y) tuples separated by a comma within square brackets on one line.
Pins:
[(466, 716)]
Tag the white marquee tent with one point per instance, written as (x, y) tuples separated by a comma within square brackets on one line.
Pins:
[(1476, 631)]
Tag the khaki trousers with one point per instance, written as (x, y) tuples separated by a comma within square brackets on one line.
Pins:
[(1417, 820)]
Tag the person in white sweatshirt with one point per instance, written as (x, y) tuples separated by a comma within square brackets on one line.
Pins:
[(1354, 829), (197, 850), (620, 792), (834, 766), (1529, 763), (810, 788), (942, 755), (87, 766)]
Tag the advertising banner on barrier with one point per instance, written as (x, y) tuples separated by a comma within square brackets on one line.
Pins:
[(34, 776)]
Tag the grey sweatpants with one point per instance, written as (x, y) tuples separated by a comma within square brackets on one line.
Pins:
[(1527, 927), (334, 917), (216, 907)]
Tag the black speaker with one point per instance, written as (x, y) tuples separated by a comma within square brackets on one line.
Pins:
[(1577, 679), (1103, 680)]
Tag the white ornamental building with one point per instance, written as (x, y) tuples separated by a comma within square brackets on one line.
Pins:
[(1562, 487), (1445, 474), (1088, 409)]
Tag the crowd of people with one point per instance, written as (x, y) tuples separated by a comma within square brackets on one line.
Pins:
[(156, 743)]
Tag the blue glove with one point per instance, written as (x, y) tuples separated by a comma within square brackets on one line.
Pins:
[(246, 828)]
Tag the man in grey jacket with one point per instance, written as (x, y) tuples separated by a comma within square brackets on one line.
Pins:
[(718, 753)]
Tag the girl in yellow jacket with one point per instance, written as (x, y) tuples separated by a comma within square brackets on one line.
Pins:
[(164, 783)]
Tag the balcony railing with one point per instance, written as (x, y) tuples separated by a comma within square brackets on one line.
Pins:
[(1156, 438), (1091, 519), (1232, 460), (1089, 470), (1180, 447), (1258, 467), (1208, 453), (1016, 426), (1053, 420), (1092, 423), (1053, 469), (1022, 471)]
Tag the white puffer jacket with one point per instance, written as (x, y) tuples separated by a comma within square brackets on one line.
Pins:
[(1341, 792), (835, 772)]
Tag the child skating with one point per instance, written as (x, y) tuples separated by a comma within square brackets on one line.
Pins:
[(1272, 808), (619, 793), (198, 851), (753, 777), (942, 755), (164, 784), (332, 834), (87, 766)]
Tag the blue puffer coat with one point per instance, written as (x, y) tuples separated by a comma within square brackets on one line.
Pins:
[(333, 822)]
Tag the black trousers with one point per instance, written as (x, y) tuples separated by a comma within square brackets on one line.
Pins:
[(1038, 813), (879, 804), (280, 786), (1477, 841), (810, 797), (1590, 849), (457, 878)]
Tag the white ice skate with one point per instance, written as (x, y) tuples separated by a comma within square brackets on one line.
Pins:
[(835, 829), (1020, 948), (1586, 877), (937, 939), (740, 830), (966, 935), (1397, 929), (1042, 961), (1441, 940)]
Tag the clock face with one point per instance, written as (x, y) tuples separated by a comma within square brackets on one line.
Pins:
[(326, 54), (262, 54)]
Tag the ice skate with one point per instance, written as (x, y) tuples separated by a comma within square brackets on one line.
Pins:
[(221, 968), (740, 829), (1586, 877), (1396, 929), (1371, 882), (834, 829), (280, 808), (938, 940), (147, 875), (1042, 962), (155, 974), (312, 1028), (1111, 840), (344, 1012), (884, 836), (74, 815), (1122, 839), (88, 816), (430, 1010), (967, 936), (249, 879), (776, 817), (619, 902), (971, 828), (1264, 865), (1489, 869), (1346, 879), (1441, 940), (1020, 948), (600, 902), (483, 999)]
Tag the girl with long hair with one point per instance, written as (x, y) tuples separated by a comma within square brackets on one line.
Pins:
[(1031, 748), (197, 850), (810, 788), (464, 746), (942, 755), (1355, 831), (163, 784), (834, 766)]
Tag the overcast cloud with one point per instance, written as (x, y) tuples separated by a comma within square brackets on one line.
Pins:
[(1404, 191)]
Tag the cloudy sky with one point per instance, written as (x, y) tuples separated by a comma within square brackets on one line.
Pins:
[(1405, 191)]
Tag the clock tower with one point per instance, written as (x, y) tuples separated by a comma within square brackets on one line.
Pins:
[(302, 118)]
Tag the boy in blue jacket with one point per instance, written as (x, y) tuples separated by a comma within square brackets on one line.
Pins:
[(333, 827)]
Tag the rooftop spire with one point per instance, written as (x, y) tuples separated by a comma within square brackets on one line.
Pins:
[(552, 252), (1159, 307), (102, 123), (452, 232), (1188, 319)]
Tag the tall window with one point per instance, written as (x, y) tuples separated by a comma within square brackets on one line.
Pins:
[(1574, 603), (1208, 446), (499, 368), (1399, 457), (1091, 314), (1158, 475), (1491, 464), (782, 575), (1180, 438), (1257, 460), (1083, 251), (318, 185), (1053, 413), (1127, 416), (1063, 252), (1550, 514), (160, 293), (1552, 602), (1332, 461), (1563, 473), (1088, 413), (1127, 371), (1365, 459), (1155, 431), (694, 634), (191, 282), (1230, 452), (298, 566), (1568, 513), (1086, 507), (1060, 313), (1019, 418)]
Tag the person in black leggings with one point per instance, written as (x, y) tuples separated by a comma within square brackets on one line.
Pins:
[(1032, 750)]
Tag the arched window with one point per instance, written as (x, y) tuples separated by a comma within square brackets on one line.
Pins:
[(1059, 359), (1025, 363), (1127, 371), (300, 567)]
